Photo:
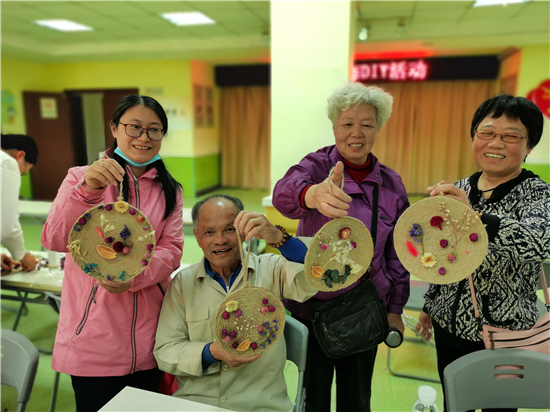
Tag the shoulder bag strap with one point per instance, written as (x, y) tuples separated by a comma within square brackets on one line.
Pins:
[(374, 221), (544, 291)]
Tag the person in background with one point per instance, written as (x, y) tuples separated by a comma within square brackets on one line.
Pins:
[(357, 113), (205, 372), (105, 339), (19, 154), (515, 206)]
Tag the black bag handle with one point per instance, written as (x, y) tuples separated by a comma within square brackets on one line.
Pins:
[(374, 221)]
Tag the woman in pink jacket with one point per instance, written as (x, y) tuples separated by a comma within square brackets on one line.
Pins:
[(106, 333)]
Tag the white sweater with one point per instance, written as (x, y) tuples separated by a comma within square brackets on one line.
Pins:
[(12, 235)]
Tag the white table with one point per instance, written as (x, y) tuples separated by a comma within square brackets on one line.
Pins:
[(136, 400)]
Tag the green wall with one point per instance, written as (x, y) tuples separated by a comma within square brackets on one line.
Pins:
[(207, 171), (543, 170), (195, 173)]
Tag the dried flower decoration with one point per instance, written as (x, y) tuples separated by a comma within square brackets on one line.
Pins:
[(436, 221), (121, 206), (428, 260), (451, 257), (444, 243), (232, 306), (125, 234), (345, 233), (474, 237), (108, 207), (442, 271), (412, 249), (416, 232)]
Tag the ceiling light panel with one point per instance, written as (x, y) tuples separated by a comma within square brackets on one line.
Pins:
[(481, 3), (62, 25), (187, 18)]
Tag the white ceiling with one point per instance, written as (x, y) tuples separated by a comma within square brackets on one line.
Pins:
[(132, 30)]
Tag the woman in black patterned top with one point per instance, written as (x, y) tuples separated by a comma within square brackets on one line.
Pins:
[(515, 206)]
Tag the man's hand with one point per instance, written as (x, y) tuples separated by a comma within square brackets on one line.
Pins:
[(28, 262), (7, 262), (232, 360), (329, 204), (424, 326), (450, 191), (253, 224), (114, 287), (396, 322)]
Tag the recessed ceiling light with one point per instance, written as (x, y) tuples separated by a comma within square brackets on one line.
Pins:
[(187, 18), (62, 25), (480, 3)]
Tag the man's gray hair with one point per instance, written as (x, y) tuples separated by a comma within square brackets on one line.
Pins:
[(354, 94), (197, 207)]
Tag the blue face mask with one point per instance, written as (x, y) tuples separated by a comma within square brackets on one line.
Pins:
[(136, 164)]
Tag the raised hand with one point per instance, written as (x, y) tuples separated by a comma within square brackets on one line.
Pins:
[(102, 173), (253, 224), (331, 202)]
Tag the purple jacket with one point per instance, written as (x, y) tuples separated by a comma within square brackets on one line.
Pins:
[(387, 272)]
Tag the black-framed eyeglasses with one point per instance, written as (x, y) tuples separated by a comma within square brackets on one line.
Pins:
[(506, 137), (133, 130)]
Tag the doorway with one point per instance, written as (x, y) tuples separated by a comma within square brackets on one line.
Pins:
[(70, 129)]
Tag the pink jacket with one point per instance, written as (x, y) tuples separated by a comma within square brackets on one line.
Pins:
[(111, 334)]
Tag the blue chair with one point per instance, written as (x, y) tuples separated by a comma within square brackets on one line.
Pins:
[(19, 365), (500, 378), (296, 337)]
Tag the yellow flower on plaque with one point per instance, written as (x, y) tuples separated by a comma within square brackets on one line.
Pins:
[(428, 260), (232, 306), (121, 206)]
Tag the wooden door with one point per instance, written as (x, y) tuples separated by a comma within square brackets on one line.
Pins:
[(111, 99), (49, 123)]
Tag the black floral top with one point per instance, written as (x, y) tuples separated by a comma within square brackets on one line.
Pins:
[(517, 216)]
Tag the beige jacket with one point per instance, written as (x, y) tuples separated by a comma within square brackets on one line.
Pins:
[(186, 325)]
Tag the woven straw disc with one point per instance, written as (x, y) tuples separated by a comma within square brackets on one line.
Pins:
[(84, 240), (328, 251), (253, 325), (464, 222)]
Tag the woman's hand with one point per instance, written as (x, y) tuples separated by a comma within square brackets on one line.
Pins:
[(28, 262), (115, 287), (232, 360), (329, 204), (396, 322), (449, 191), (7, 262), (253, 224), (102, 173), (424, 326)]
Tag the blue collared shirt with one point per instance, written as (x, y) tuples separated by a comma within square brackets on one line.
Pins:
[(292, 250)]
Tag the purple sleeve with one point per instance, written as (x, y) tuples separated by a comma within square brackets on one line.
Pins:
[(311, 170), (400, 277)]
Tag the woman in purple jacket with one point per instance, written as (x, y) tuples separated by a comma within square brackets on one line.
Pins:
[(357, 112)]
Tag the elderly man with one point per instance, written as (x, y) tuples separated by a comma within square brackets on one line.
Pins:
[(184, 344)]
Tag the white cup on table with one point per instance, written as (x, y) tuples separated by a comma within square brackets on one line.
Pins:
[(54, 259)]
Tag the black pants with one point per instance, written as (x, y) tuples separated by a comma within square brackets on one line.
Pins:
[(449, 348), (92, 393), (353, 378)]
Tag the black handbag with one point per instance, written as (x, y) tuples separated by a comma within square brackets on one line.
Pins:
[(355, 321)]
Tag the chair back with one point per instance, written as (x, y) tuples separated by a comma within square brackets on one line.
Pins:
[(296, 337), (19, 365), (500, 378)]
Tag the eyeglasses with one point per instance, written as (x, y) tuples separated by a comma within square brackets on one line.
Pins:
[(506, 137), (133, 130)]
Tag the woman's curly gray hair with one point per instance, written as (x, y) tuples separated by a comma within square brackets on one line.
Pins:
[(354, 94)]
